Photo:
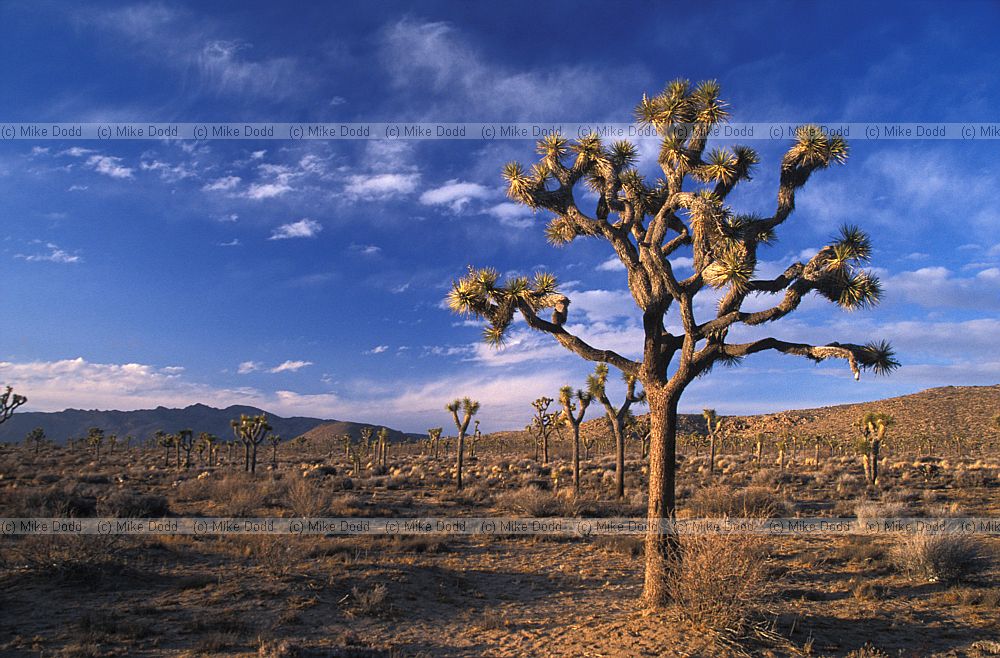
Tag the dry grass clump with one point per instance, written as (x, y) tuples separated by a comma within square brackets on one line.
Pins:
[(307, 499), (869, 510), (370, 602), (536, 502), (942, 558), (718, 584), (237, 496), (68, 501), (724, 501), (127, 504)]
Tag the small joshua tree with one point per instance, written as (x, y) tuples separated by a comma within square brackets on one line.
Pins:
[(95, 439), (36, 438), (873, 428), (434, 436), (9, 401), (164, 441), (250, 431), (476, 435), (597, 387), (469, 409), (648, 224), (714, 423), (583, 400), (209, 440), (382, 454), (543, 424), (274, 440), (185, 442)]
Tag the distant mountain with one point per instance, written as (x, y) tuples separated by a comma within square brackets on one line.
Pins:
[(333, 430), (143, 423)]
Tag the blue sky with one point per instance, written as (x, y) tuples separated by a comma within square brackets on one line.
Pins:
[(307, 277)]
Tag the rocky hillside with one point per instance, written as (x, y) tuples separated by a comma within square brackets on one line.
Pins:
[(965, 411)]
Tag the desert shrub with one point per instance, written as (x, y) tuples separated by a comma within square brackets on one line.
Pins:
[(532, 501), (238, 496), (625, 545), (51, 502), (127, 504), (307, 499), (944, 557), (869, 510), (70, 556), (718, 582), (724, 501), (370, 602)]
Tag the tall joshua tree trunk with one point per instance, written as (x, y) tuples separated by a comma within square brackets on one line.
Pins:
[(661, 538)]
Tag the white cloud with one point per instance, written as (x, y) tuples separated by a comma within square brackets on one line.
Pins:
[(378, 349), (223, 184), (54, 255), (259, 191), (247, 367), (304, 228), (455, 194), (109, 166), (380, 186), (514, 215), (938, 287), (366, 249), (290, 366), (235, 242)]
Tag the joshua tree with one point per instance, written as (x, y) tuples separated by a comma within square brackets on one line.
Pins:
[(597, 385), (714, 423), (583, 400), (646, 225), (185, 442), (274, 440), (35, 437), (250, 431), (164, 441), (95, 439), (469, 409), (873, 427), (209, 440), (382, 454), (434, 435), (543, 424), (476, 435), (9, 401)]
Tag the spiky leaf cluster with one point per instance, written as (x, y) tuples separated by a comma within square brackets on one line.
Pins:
[(840, 277), (478, 294)]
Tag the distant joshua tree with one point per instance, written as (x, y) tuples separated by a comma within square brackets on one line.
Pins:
[(185, 440), (597, 386), (95, 439), (714, 423), (209, 440), (873, 428), (543, 424), (469, 409), (9, 401), (36, 438), (648, 223), (434, 436), (274, 440), (583, 400), (251, 431)]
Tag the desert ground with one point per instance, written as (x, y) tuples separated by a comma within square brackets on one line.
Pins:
[(450, 595)]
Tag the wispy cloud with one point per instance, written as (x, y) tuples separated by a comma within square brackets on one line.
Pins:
[(290, 366), (362, 187), (378, 349), (54, 255), (455, 194), (304, 228)]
